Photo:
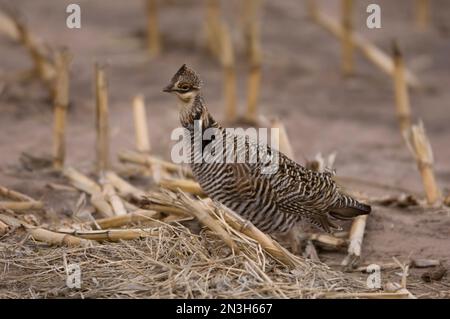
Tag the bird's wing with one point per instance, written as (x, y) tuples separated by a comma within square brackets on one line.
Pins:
[(305, 192), (292, 189), (247, 187)]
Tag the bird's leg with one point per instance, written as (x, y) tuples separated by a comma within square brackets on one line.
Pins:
[(310, 251), (300, 244), (294, 239)]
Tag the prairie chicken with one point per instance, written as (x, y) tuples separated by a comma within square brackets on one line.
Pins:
[(272, 202)]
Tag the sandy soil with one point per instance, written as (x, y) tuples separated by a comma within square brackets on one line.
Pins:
[(302, 84)]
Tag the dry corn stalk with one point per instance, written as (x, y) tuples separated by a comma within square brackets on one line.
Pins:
[(383, 266), (346, 40), (213, 31), (194, 208), (218, 217), (42, 65), (311, 7), (370, 51), (52, 238), (111, 234), (61, 104), (328, 241), (199, 211), (114, 199), (401, 91), (87, 185), (229, 71), (150, 161), (420, 147), (21, 206), (140, 124), (252, 35), (3, 228), (44, 235), (125, 189), (133, 217), (15, 195), (81, 181), (101, 93), (272, 247), (186, 185), (422, 13), (144, 203), (8, 26), (102, 206), (356, 238), (413, 263), (153, 36), (424, 263)]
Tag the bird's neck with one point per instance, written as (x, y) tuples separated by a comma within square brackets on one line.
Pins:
[(194, 109)]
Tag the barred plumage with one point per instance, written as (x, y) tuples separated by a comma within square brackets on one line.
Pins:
[(273, 202)]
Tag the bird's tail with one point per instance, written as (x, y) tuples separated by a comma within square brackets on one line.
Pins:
[(348, 207)]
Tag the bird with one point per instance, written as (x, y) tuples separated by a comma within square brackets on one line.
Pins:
[(275, 202)]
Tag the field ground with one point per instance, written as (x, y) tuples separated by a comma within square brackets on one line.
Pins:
[(302, 84)]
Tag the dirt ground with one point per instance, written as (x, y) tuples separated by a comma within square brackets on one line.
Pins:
[(302, 85)]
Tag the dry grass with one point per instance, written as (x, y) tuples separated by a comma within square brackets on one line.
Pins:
[(173, 264)]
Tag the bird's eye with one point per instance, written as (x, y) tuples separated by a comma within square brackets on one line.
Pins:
[(184, 87)]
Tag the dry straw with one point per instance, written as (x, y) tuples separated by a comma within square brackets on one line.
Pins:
[(173, 264), (218, 219)]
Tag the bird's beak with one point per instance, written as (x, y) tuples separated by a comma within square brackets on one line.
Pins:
[(168, 89)]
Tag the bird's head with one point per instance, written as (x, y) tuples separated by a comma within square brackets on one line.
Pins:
[(185, 84)]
